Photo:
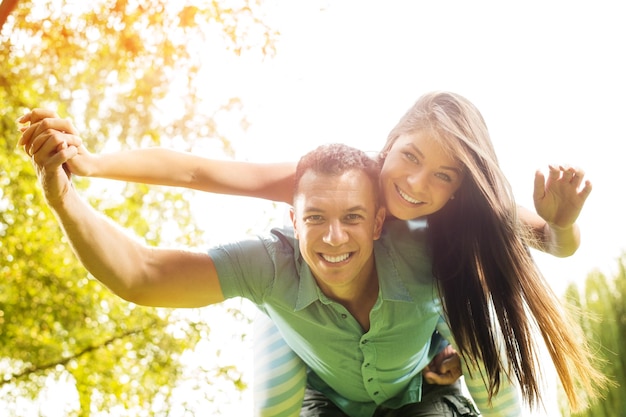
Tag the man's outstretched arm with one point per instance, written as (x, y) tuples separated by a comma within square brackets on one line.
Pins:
[(131, 269)]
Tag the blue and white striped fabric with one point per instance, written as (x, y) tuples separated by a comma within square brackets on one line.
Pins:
[(279, 374)]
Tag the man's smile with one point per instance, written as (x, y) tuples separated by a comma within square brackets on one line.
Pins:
[(334, 259)]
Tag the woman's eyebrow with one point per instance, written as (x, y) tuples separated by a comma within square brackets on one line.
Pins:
[(421, 154)]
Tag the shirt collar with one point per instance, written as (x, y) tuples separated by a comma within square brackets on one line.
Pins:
[(391, 285), (308, 289)]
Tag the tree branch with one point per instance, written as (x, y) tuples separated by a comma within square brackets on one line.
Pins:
[(40, 368)]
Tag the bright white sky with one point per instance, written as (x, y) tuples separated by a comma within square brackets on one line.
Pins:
[(547, 76)]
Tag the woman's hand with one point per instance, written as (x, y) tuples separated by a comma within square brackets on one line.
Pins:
[(43, 124), (560, 198), (444, 369)]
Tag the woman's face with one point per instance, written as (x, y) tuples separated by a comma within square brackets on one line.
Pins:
[(418, 177)]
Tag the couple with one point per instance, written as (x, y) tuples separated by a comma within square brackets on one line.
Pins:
[(356, 297)]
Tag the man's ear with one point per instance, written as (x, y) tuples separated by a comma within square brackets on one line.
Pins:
[(379, 221), (292, 216)]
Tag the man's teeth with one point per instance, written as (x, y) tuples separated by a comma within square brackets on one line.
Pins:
[(409, 198), (335, 259)]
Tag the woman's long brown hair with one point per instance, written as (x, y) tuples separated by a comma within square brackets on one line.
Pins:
[(492, 291)]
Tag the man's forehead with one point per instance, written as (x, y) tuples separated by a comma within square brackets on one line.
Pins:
[(349, 191), (315, 179), (324, 205)]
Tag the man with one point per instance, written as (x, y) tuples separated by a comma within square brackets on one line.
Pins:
[(358, 307)]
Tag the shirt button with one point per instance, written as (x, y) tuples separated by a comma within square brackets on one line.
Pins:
[(367, 365), (376, 393), (344, 316), (370, 379), (364, 341)]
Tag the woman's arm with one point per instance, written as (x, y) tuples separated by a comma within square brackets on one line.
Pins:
[(559, 200), (182, 169), (560, 242), (166, 167)]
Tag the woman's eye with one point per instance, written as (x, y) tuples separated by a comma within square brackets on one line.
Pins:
[(444, 177), (411, 157)]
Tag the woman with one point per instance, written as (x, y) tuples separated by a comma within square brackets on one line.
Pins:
[(438, 163), (480, 254)]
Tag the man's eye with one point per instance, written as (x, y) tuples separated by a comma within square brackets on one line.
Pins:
[(354, 217), (316, 218)]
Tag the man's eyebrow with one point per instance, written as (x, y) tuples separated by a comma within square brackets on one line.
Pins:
[(313, 209), (358, 207)]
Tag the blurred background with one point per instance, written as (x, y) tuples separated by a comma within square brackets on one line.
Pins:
[(267, 81)]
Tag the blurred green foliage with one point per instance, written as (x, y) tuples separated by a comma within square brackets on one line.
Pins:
[(110, 65), (603, 304)]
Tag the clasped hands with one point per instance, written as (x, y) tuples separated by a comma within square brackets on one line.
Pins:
[(51, 142)]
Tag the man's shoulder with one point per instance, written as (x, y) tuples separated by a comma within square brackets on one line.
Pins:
[(405, 232), (279, 242), (252, 267), (404, 243)]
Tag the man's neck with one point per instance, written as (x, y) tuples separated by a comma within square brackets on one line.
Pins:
[(358, 299)]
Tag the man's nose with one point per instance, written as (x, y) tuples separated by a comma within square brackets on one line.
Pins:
[(335, 235)]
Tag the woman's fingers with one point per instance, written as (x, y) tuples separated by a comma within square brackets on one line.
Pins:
[(29, 139)]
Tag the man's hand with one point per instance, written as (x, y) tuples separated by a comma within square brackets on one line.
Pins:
[(43, 124), (560, 198), (444, 369)]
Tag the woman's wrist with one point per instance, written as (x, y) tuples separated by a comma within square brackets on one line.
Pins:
[(95, 166), (562, 241)]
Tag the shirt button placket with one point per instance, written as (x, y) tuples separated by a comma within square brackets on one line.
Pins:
[(368, 369)]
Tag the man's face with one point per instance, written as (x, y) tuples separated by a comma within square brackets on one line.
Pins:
[(336, 221)]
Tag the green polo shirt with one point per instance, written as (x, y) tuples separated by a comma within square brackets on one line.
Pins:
[(357, 370)]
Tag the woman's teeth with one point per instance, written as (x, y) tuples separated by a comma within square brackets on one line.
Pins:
[(408, 197)]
